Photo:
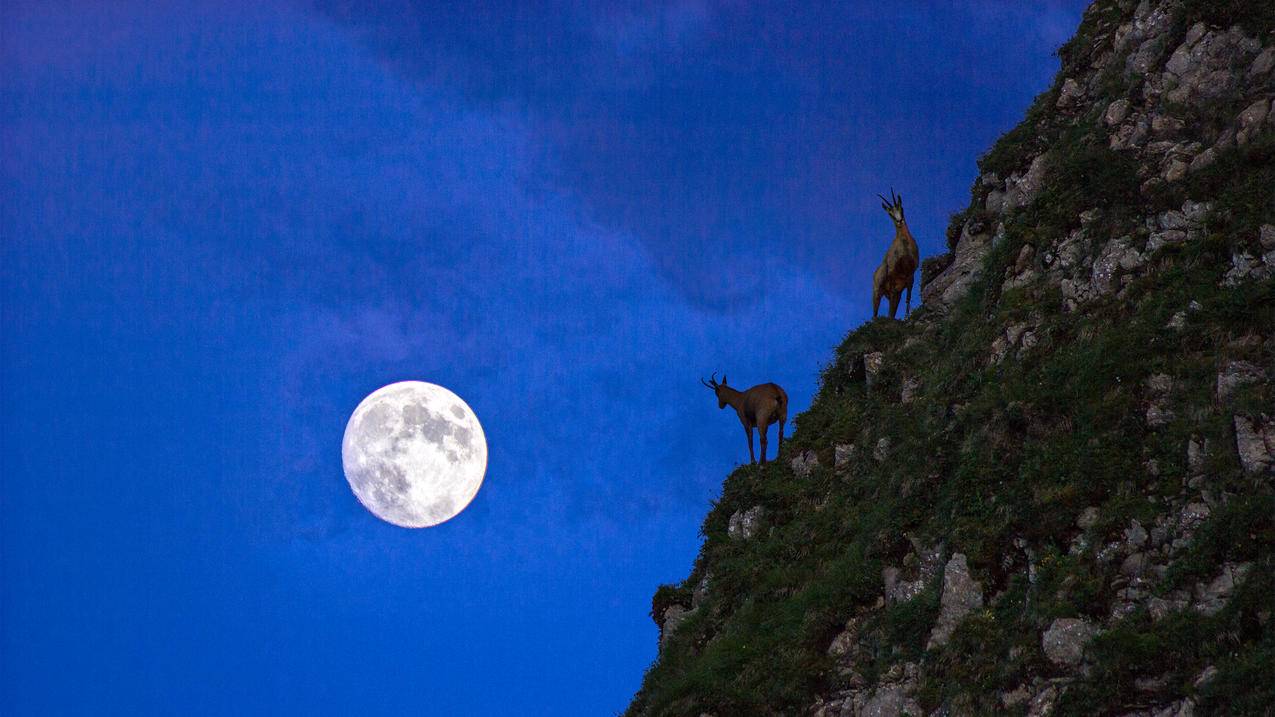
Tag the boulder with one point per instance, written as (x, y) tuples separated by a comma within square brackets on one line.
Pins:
[(1211, 598), (1065, 641), (674, 616), (1235, 374), (966, 266), (889, 701), (882, 449), (805, 463), (1255, 443), (872, 367), (744, 523), (1116, 112), (842, 454), (1071, 94), (961, 595)]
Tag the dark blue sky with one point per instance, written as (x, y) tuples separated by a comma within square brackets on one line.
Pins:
[(226, 223)]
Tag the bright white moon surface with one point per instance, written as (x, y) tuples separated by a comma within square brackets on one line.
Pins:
[(414, 454)]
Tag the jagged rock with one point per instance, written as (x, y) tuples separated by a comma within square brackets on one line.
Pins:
[(1255, 443), (1206, 676), (911, 386), (889, 701), (1178, 321), (1195, 453), (1022, 190), (1166, 126), (1071, 93), (1134, 565), (1235, 374), (1246, 267), (1172, 219), (1211, 598), (845, 640), (926, 560), (744, 523), (1146, 32), (1158, 388), (1201, 70), (1118, 255), (1203, 160), (1135, 536), (805, 463), (1176, 168), (1262, 64), (966, 266), (842, 454), (1266, 235), (882, 449), (961, 595), (1065, 640), (1158, 415), (893, 697), (1116, 112), (872, 367), (1250, 121), (1192, 516), (674, 616), (1131, 134), (700, 593), (1044, 702), (1160, 607), (1029, 341), (1014, 335)]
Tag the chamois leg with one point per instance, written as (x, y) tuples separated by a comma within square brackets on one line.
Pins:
[(894, 304), (907, 309), (748, 431), (779, 449), (762, 428), (876, 302)]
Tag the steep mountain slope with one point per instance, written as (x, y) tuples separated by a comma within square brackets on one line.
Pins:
[(1051, 490)]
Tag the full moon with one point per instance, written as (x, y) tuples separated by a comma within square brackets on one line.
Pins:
[(414, 454)]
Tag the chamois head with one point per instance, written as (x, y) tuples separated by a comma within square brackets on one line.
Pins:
[(716, 388), (893, 207)]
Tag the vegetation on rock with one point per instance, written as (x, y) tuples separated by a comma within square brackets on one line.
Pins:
[(1068, 423)]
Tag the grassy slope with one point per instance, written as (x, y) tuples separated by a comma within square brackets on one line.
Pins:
[(986, 454)]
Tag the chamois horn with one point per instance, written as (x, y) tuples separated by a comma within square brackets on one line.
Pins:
[(893, 201)]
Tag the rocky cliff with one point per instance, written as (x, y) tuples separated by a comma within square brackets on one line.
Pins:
[(1052, 489)]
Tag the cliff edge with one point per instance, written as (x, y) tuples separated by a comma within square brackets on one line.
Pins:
[(1052, 489)]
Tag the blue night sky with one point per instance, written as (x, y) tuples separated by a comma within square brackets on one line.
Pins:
[(224, 224)]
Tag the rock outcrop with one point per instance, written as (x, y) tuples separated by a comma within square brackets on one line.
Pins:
[(1051, 490)]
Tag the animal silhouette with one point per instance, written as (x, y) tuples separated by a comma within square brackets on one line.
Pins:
[(758, 407), (900, 262)]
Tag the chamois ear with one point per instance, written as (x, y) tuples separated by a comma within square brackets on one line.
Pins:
[(723, 379)]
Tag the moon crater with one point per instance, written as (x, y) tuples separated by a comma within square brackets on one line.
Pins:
[(414, 454)]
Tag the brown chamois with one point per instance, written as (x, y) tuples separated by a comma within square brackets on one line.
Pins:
[(900, 262), (758, 407)]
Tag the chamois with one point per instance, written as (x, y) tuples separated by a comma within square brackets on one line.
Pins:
[(758, 407), (900, 262)]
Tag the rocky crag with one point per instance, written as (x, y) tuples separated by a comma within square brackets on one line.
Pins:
[(1052, 489)]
